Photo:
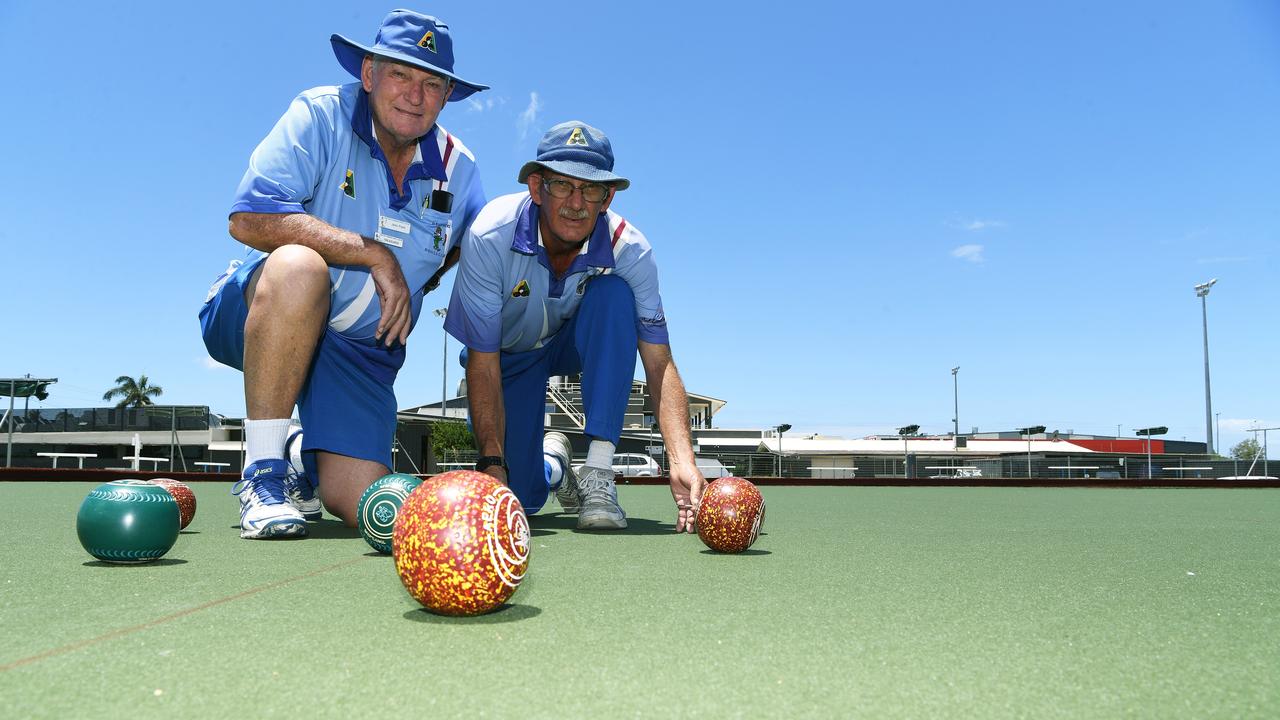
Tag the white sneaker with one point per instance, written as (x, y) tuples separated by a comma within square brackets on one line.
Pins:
[(299, 487), (600, 509), (264, 511), (557, 445)]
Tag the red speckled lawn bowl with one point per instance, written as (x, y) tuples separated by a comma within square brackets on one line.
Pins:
[(730, 515), (461, 543)]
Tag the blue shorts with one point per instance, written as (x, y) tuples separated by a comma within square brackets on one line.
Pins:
[(599, 341), (347, 404)]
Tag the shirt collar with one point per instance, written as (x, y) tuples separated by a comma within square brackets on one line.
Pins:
[(598, 251), (427, 162)]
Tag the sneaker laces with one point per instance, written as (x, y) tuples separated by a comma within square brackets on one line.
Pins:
[(594, 482), (299, 483), (266, 493)]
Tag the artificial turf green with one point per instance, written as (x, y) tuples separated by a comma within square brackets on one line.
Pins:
[(870, 602)]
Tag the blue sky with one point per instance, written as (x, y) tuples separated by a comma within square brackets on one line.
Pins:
[(845, 200)]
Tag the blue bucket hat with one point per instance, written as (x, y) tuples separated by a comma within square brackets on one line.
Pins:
[(410, 38), (577, 150)]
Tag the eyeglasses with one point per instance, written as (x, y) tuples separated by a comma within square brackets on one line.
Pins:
[(591, 192)]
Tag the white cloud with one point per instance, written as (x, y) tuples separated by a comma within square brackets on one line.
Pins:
[(481, 104), (529, 116), (971, 253), (979, 225), (211, 364), (1240, 425)]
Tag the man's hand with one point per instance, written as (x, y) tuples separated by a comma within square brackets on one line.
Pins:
[(393, 297), (497, 471), (687, 484)]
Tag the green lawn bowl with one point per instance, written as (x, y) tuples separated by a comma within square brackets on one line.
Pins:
[(128, 522), (376, 512)]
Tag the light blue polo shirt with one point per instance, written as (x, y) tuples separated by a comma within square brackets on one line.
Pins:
[(505, 296), (321, 158)]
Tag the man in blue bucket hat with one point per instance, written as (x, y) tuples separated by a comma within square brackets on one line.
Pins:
[(554, 283), (352, 207)]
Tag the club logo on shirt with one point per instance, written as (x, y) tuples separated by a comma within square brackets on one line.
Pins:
[(577, 138), (521, 289), (349, 187), (438, 239), (428, 41)]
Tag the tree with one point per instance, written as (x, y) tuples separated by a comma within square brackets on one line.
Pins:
[(1246, 450), (452, 437), (133, 393)]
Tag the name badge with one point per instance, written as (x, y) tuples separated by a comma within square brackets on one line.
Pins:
[(391, 240), (394, 225)]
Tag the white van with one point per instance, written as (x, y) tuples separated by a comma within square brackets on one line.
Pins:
[(712, 468), (635, 465)]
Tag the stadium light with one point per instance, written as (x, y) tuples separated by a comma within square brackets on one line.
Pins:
[(444, 365), (781, 429), (1147, 433), (1029, 431), (955, 389), (904, 431), (1202, 291)]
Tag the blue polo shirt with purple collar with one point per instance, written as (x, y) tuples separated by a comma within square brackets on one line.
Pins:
[(506, 297), (322, 158)]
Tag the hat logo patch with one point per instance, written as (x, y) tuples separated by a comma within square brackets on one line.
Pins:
[(428, 41), (349, 186), (521, 289), (577, 137)]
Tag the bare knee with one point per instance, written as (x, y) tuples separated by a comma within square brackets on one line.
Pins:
[(292, 276)]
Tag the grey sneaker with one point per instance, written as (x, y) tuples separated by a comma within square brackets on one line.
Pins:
[(557, 445), (600, 509)]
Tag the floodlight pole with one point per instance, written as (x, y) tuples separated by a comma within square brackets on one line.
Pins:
[(8, 448), (1028, 432), (955, 389), (904, 431), (444, 363), (1202, 291), (781, 429)]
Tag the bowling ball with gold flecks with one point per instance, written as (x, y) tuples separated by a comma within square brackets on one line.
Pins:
[(183, 495), (461, 543), (730, 515)]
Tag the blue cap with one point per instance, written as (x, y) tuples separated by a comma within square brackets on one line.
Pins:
[(577, 150), (410, 38)]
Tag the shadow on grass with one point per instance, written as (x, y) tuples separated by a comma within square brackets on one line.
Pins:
[(542, 525), (153, 563), (748, 551), (504, 614), (329, 529), (194, 532)]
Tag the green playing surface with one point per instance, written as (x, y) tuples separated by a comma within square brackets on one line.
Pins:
[(870, 602)]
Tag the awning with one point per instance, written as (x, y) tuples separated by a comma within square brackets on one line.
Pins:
[(26, 387)]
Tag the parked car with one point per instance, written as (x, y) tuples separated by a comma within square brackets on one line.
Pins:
[(635, 465)]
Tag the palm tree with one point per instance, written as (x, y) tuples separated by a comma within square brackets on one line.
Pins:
[(133, 393)]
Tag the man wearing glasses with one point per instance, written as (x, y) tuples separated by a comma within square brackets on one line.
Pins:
[(552, 283)]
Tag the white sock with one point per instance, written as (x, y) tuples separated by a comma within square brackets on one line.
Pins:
[(264, 440), (600, 454), (555, 473)]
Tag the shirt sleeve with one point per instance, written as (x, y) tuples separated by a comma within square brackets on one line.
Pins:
[(472, 204), (636, 265), (475, 308), (284, 169)]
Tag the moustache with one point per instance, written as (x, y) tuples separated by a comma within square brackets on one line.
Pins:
[(570, 214)]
